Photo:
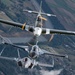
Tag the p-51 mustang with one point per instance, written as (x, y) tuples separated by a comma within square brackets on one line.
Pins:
[(37, 29)]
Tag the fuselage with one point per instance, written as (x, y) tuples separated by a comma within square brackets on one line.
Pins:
[(26, 62), (37, 29), (38, 24), (35, 52)]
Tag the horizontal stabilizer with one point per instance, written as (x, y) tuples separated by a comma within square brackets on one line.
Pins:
[(36, 12), (42, 51), (45, 65), (8, 58)]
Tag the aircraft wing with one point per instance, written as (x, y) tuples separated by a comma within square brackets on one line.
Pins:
[(11, 23), (20, 25), (56, 31), (25, 48), (8, 58), (30, 11), (49, 53)]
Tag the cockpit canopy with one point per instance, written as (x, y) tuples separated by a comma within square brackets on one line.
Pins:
[(39, 19), (35, 48)]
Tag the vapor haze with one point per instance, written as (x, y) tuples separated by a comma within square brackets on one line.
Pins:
[(53, 72)]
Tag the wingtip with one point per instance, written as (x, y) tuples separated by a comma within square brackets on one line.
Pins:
[(54, 15), (66, 56)]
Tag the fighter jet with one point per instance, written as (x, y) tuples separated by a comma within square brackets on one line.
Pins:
[(33, 54), (35, 51), (26, 62)]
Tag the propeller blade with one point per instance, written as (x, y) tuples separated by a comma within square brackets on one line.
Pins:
[(43, 18), (52, 36), (33, 41), (45, 65), (23, 26)]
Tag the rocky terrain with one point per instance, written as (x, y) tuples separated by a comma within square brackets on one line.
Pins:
[(65, 12)]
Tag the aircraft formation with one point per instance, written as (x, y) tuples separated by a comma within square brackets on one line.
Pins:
[(36, 51)]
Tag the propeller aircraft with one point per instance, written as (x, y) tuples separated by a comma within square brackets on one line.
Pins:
[(37, 29)]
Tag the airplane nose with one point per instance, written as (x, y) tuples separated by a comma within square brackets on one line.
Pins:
[(33, 55), (20, 63)]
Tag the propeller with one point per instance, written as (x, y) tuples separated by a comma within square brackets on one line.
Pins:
[(52, 36), (33, 41), (23, 26), (42, 18)]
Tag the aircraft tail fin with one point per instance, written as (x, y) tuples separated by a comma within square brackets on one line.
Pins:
[(40, 8)]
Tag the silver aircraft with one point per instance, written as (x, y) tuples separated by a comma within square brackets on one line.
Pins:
[(35, 51), (30, 61), (26, 62), (37, 29)]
